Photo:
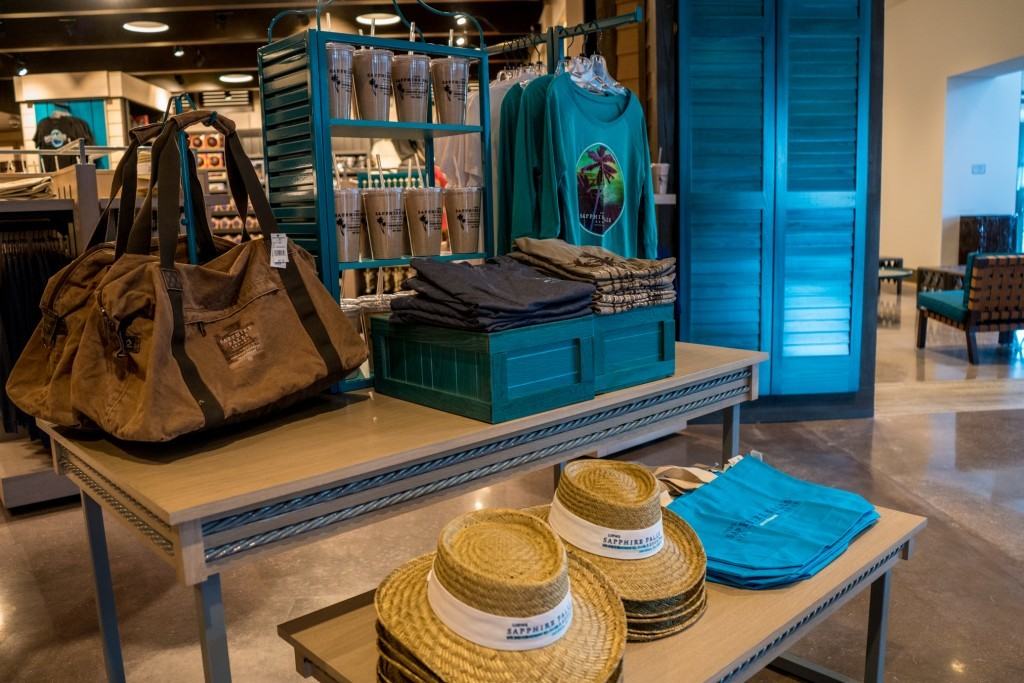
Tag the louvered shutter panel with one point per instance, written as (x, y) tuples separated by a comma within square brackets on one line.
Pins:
[(727, 152), (821, 194)]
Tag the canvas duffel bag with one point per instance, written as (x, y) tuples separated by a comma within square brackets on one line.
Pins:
[(40, 382), (170, 349)]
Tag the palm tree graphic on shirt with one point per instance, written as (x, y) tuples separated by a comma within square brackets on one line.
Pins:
[(600, 188)]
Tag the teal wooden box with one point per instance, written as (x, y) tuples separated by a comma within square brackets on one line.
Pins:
[(634, 347), (491, 377)]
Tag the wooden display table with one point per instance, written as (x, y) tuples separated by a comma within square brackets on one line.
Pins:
[(349, 460), (741, 633)]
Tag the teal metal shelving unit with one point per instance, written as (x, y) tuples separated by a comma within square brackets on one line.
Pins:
[(298, 134)]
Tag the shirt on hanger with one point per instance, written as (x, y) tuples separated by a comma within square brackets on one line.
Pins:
[(596, 177), (506, 165), (527, 166), (54, 132)]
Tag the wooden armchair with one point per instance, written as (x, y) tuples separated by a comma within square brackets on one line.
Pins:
[(992, 301)]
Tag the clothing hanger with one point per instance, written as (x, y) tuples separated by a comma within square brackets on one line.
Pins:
[(600, 67)]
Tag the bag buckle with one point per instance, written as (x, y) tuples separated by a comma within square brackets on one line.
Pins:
[(51, 326), (117, 331)]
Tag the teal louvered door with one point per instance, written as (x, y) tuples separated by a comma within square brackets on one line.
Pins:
[(820, 196), (727, 147)]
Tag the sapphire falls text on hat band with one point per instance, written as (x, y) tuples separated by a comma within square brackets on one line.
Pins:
[(618, 544), (496, 631)]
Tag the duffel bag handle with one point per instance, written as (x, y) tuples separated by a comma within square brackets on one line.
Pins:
[(165, 155), (242, 179), (125, 181)]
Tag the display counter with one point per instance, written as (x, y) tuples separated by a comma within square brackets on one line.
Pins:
[(742, 632), (344, 461)]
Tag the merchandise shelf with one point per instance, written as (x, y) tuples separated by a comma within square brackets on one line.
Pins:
[(397, 130), (388, 263), (299, 133)]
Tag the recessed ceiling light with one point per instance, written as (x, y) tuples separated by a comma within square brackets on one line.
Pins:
[(236, 78), (146, 27), (460, 41), (378, 18), (179, 51), (460, 20)]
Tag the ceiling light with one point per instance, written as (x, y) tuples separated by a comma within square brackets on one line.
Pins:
[(22, 69), (236, 78), (146, 27), (461, 40), (179, 51), (378, 18), (460, 20), (227, 95)]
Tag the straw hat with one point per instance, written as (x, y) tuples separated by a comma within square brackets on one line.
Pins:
[(503, 567), (665, 584)]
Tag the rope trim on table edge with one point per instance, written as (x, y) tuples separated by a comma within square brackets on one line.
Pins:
[(133, 519), (300, 502), (63, 459), (291, 530), (853, 583)]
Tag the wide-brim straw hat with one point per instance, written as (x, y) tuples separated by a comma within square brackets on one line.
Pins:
[(508, 563), (624, 495)]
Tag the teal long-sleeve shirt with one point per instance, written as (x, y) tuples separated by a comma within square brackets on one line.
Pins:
[(596, 171), (528, 159)]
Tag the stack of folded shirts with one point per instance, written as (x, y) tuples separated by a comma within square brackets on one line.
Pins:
[(762, 528), (608, 513), (26, 188), (501, 294), (621, 284)]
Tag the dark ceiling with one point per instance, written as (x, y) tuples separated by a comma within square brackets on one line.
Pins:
[(218, 37)]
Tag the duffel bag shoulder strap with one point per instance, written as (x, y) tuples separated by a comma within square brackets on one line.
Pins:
[(242, 175), (125, 182)]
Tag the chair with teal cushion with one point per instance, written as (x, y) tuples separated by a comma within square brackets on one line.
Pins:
[(992, 301)]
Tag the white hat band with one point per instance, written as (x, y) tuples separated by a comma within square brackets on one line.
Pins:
[(618, 544), (496, 631)]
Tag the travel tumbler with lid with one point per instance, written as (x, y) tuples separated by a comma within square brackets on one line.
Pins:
[(450, 76), (339, 73), (372, 71), (423, 212), (462, 206), (348, 212), (385, 221), (410, 79)]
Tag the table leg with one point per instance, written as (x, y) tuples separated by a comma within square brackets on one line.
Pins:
[(213, 636), (104, 589), (878, 630), (730, 432)]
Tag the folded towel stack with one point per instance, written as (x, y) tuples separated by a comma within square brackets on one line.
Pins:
[(620, 284), (26, 188)]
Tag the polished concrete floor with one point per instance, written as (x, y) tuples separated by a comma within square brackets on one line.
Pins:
[(957, 605)]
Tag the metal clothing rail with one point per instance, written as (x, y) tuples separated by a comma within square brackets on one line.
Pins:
[(555, 36)]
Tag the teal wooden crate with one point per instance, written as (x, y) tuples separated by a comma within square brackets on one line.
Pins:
[(491, 377), (634, 347)]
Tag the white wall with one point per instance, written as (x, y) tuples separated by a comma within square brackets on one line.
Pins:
[(982, 129), (927, 42)]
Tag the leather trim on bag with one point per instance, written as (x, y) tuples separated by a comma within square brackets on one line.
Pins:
[(213, 412), (311, 322)]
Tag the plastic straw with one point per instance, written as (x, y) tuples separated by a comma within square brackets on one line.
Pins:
[(380, 170), (659, 155), (451, 37), (337, 173), (408, 173), (412, 33), (419, 170), (373, 27)]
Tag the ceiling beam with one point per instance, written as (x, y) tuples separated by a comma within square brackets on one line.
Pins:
[(29, 9)]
